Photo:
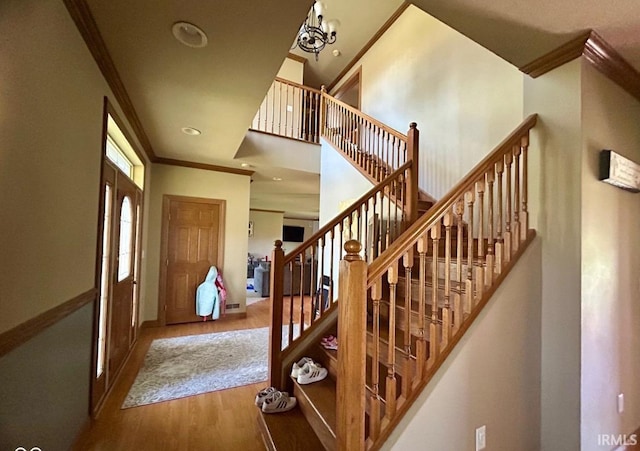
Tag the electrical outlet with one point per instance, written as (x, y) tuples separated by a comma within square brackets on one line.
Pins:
[(621, 403), (481, 438)]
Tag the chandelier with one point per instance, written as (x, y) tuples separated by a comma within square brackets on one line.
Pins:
[(315, 33)]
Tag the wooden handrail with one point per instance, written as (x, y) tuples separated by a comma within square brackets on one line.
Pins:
[(289, 257), (365, 116), (398, 247), (297, 85), (424, 290)]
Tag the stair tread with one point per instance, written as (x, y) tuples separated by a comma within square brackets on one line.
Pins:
[(289, 431), (322, 395)]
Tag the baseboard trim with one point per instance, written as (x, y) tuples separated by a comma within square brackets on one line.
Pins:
[(239, 315), (24, 332), (151, 323)]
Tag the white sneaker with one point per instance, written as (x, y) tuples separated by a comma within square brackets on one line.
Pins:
[(295, 369), (264, 394), (310, 373), (279, 402)]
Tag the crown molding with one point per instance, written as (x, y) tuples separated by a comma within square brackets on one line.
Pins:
[(266, 211), (598, 53), (611, 64), (86, 24), (383, 29), (557, 57), (206, 167)]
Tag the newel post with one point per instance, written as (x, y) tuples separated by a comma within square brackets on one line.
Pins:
[(276, 281), (413, 142), (352, 336)]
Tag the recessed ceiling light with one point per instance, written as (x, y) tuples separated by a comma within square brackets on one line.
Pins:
[(336, 52), (191, 131), (246, 165), (277, 179), (189, 34)]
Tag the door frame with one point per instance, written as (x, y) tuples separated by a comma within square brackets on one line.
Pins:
[(354, 80), (164, 244)]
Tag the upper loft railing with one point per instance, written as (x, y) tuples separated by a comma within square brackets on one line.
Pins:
[(291, 110), (425, 290), (376, 149), (299, 112)]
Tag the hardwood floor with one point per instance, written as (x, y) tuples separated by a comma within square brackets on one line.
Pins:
[(222, 420)]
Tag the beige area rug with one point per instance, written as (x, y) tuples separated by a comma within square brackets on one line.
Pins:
[(186, 366)]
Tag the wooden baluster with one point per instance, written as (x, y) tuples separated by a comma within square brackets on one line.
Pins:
[(458, 209), (469, 301), (407, 381), (266, 110), (367, 244), (524, 214), (392, 278), (322, 257), (315, 295), (413, 143), (280, 109), (374, 416), (507, 227), (291, 304), (516, 199), (322, 117), (447, 330), (352, 353), (276, 370), (499, 236), (340, 238), (421, 344), (331, 238), (480, 267), (434, 339), (388, 192), (300, 293), (490, 273)]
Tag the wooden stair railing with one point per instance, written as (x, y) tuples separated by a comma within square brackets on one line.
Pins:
[(376, 149), (290, 110), (377, 218), (454, 284)]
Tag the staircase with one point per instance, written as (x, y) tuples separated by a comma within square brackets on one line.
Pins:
[(407, 279)]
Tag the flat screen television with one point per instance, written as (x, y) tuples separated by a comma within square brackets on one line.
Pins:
[(294, 234)]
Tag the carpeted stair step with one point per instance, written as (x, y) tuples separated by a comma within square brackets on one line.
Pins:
[(288, 431), (317, 402)]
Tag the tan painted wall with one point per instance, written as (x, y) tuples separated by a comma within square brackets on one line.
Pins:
[(610, 265), (267, 228), (555, 198), (51, 110), (291, 70), (464, 98), (487, 380), (181, 181)]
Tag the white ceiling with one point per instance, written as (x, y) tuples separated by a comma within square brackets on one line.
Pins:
[(218, 89)]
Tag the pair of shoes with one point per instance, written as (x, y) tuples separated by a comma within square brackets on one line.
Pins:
[(271, 400), (330, 342), (264, 394), (310, 373), (306, 371), (295, 369)]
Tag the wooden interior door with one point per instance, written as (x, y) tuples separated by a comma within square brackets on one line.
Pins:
[(121, 310), (194, 244)]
